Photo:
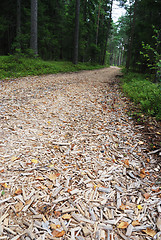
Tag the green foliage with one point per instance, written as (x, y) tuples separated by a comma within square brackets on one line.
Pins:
[(117, 41), (143, 92), (19, 66), (147, 14), (56, 24), (152, 54)]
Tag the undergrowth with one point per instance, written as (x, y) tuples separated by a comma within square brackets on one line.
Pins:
[(144, 92), (16, 66)]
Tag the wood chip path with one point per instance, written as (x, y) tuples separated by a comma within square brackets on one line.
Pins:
[(72, 164)]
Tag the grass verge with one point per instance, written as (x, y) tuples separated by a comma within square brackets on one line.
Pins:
[(13, 66), (143, 92)]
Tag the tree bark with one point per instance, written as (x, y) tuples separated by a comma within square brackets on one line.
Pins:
[(98, 20), (107, 34), (33, 40), (18, 17), (18, 30), (131, 38), (76, 33)]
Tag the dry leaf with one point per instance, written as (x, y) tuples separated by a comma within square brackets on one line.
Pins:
[(34, 160), (94, 187), (146, 195), (142, 171), (123, 207), (126, 162), (53, 226), (135, 223), (5, 185), (66, 216), (157, 189), (43, 187), (39, 178), (142, 175), (18, 191), (14, 158), (29, 163), (57, 174), (58, 226), (150, 232), (139, 207), (19, 206), (56, 147), (57, 214), (123, 225), (54, 233), (52, 177), (58, 234)]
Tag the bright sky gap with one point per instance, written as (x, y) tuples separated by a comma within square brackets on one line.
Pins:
[(117, 11)]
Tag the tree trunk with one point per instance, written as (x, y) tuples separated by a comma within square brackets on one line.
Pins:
[(85, 11), (98, 20), (33, 41), (121, 57), (107, 34), (18, 19), (131, 38), (76, 33)]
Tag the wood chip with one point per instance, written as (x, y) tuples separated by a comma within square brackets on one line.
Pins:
[(129, 230), (86, 231), (73, 165), (9, 230)]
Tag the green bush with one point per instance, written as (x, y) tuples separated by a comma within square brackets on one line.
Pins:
[(142, 91)]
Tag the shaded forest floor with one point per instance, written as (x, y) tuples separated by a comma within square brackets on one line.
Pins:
[(73, 164)]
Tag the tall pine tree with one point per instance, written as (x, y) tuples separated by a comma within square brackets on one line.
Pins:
[(34, 36), (76, 33)]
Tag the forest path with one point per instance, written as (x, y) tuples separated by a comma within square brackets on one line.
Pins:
[(72, 164)]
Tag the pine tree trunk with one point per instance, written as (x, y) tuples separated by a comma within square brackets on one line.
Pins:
[(18, 18), (76, 33), (107, 34), (18, 29), (98, 20), (33, 41), (131, 39), (121, 57)]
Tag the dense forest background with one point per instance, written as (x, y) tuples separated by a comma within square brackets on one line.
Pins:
[(57, 30)]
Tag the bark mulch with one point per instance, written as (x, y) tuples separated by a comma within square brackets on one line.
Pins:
[(73, 164)]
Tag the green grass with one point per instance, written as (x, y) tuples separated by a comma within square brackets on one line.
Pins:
[(14, 66), (143, 92)]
